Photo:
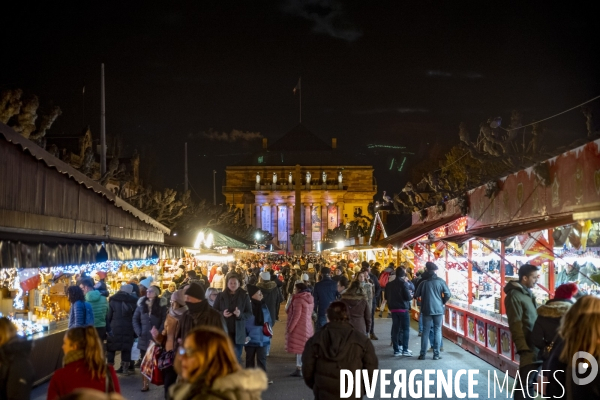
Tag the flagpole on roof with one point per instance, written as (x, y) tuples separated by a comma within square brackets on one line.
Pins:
[(298, 88)]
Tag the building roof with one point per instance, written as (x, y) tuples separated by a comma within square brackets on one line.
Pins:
[(301, 146), (42, 155), (299, 138)]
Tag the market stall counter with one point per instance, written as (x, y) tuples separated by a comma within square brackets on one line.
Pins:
[(47, 354)]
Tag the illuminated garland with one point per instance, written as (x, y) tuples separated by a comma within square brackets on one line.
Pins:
[(9, 277), (107, 266)]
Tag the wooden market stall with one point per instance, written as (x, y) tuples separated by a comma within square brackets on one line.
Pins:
[(547, 217), (56, 222)]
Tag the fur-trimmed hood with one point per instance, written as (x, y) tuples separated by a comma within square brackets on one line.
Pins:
[(163, 301), (243, 380), (554, 308), (243, 384), (354, 295), (268, 285)]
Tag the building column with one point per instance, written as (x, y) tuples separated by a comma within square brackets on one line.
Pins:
[(258, 220), (290, 214), (274, 223), (324, 220), (308, 226)]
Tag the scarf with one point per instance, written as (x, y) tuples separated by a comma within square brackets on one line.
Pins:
[(259, 318), (72, 356)]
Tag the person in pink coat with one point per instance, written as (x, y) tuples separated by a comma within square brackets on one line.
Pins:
[(299, 323)]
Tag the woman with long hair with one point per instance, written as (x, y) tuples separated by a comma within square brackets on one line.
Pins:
[(358, 308), (299, 323), (168, 337), (579, 332), (84, 365), (16, 371), (151, 312), (77, 313), (209, 370)]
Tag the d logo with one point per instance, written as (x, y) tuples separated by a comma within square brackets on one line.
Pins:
[(580, 368)]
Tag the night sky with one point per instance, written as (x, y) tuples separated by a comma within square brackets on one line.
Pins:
[(388, 72)]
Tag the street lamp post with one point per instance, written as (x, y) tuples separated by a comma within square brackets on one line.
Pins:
[(214, 188)]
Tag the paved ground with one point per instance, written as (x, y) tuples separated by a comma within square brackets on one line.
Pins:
[(280, 365)]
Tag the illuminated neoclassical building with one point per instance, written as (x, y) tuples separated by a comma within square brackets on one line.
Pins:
[(331, 186)]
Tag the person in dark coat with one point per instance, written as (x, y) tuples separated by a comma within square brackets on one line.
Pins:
[(546, 325), (335, 347), (325, 293), (521, 313), (16, 370), (121, 307), (199, 312), (359, 313), (399, 294), (151, 312), (234, 304)]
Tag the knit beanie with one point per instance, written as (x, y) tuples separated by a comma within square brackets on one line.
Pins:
[(178, 296), (126, 289), (305, 277), (147, 282), (566, 291), (196, 291), (252, 289), (266, 276)]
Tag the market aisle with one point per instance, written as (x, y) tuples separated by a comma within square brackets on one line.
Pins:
[(280, 365)]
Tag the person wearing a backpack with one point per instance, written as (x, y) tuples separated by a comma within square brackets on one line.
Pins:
[(81, 313), (384, 278), (399, 294)]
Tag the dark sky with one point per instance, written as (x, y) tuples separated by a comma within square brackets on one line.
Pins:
[(388, 72)]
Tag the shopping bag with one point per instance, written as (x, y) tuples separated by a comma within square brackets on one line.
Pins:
[(147, 363), (166, 359)]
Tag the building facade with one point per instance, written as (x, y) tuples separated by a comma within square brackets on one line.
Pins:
[(333, 187)]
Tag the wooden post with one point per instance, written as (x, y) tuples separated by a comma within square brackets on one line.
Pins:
[(551, 282), (470, 273), (446, 260), (502, 277)]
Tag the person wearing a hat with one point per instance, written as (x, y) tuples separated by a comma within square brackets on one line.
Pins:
[(121, 307), (234, 304), (434, 293), (168, 337), (549, 316), (198, 312), (325, 293), (257, 343)]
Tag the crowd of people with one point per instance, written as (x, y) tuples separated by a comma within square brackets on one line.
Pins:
[(209, 318)]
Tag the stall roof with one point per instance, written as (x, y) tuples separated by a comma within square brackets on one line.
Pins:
[(506, 231), (415, 231), (40, 154)]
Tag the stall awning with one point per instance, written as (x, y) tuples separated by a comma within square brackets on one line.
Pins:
[(411, 234), (506, 231)]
